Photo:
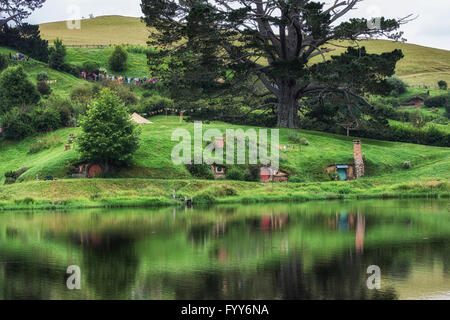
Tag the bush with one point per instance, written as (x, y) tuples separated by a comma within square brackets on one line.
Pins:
[(201, 171), (43, 88), (417, 118), (443, 85), (296, 180), (294, 137), (65, 108), (91, 66), (204, 198), (398, 86), (16, 125), (83, 94), (3, 62), (304, 142), (42, 76), (127, 96), (235, 174), (45, 119), (12, 176), (252, 173), (436, 102), (118, 59), (155, 103), (16, 90)]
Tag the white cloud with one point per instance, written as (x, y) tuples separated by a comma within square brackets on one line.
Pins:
[(431, 28)]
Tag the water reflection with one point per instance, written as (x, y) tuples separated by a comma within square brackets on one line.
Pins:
[(277, 251)]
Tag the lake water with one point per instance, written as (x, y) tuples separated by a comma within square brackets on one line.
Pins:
[(315, 250)]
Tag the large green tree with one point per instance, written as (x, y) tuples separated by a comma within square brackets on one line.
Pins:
[(57, 55), (16, 89), (275, 41), (109, 136)]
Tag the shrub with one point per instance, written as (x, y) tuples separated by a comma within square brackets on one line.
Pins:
[(436, 102), (252, 173), (417, 118), (235, 174), (45, 119), (65, 108), (443, 85), (118, 59), (83, 94), (204, 198), (124, 92), (16, 89), (296, 179), (127, 96), (43, 88), (12, 176), (16, 125), (294, 137), (201, 171), (155, 103), (91, 66), (304, 142), (42, 76), (3, 62), (398, 85)]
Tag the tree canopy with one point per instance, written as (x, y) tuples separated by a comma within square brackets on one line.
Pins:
[(275, 41), (17, 10)]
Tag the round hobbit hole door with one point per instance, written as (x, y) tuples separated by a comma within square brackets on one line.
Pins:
[(219, 169), (95, 171)]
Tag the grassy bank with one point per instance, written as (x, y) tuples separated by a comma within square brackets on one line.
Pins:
[(115, 193)]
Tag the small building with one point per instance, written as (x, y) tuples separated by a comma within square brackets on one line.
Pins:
[(218, 171), (270, 175), (345, 172), (350, 171), (416, 101), (139, 119), (88, 170)]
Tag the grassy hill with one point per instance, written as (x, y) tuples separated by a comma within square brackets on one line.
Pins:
[(384, 160), (101, 30), (64, 81), (421, 66)]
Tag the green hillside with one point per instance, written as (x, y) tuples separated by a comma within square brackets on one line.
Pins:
[(384, 168), (421, 65), (64, 81)]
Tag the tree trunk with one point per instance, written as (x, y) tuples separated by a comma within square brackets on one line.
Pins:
[(288, 108)]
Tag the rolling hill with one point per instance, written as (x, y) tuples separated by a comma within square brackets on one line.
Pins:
[(422, 66)]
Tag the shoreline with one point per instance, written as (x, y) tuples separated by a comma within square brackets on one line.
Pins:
[(147, 193)]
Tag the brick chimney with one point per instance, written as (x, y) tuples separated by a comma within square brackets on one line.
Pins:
[(359, 163)]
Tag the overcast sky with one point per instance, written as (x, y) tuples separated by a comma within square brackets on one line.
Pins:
[(431, 28)]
